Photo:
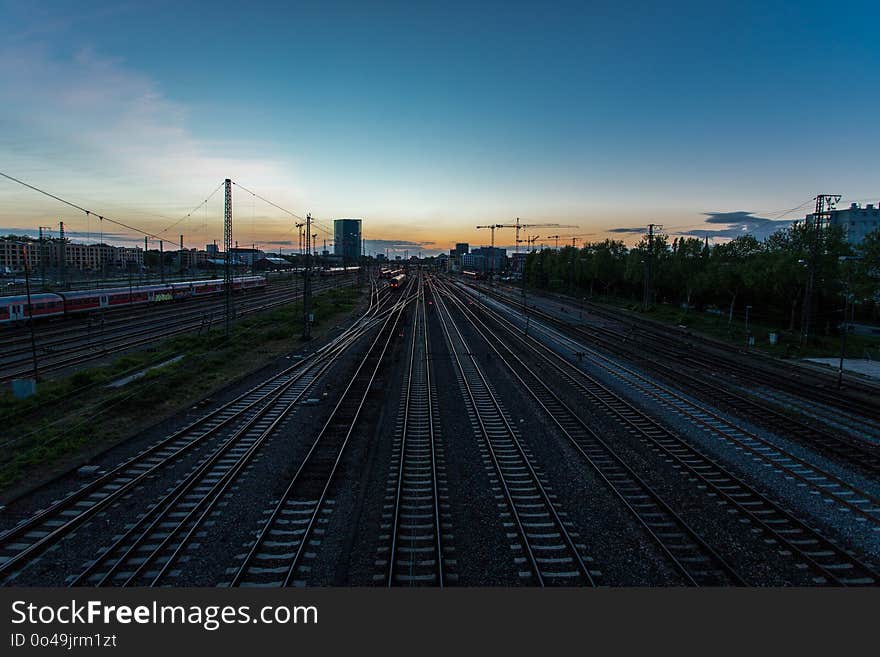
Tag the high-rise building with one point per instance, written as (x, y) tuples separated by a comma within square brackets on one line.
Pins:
[(347, 239), (486, 258)]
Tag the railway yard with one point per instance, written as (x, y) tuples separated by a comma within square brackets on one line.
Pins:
[(446, 434), (92, 337)]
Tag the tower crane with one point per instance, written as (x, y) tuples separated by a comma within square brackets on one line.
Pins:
[(519, 226), (492, 228), (554, 237), (576, 238)]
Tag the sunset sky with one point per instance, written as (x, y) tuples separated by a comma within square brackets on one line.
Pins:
[(426, 119)]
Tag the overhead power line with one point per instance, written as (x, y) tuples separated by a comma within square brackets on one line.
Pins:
[(314, 222), (198, 207), (265, 200), (785, 212), (88, 212)]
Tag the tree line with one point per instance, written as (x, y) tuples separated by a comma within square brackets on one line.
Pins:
[(770, 276)]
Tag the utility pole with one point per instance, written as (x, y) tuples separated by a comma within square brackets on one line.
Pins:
[(62, 257), (300, 227), (362, 277), (161, 261), (43, 257), (525, 305), (824, 205), (180, 257), (307, 285), (647, 300), (27, 282), (227, 245)]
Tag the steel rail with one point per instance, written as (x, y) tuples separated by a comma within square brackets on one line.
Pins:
[(422, 370), (117, 478), (859, 453), (819, 553), (324, 457), (551, 512), (655, 516)]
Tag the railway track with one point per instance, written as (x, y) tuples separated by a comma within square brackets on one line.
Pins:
[(849, 499), (829, 563), (707, 354), (211, 446), (277, 553), (845, 448), (688, 553), (415, 523), (56, 331), (546, 547), (60, 355)]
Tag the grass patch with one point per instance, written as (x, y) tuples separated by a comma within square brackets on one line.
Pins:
[(717, 327), (787, 343)]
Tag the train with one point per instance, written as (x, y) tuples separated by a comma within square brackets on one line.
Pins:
[(396, 282), (44, 305), (339, 271), (390, 273)]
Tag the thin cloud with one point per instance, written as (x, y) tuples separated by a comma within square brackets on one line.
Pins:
[(738, 223), (112, 135)]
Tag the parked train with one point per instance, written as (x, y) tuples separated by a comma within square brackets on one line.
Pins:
[(339, 271), (396, 282), (390, 273), (14, 309)]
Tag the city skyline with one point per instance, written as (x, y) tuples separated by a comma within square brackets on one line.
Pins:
[(427, 124)]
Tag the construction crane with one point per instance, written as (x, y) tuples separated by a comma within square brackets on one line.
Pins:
[(519, 226), (531, 241), (576, 238), (492, 228), (554, 237)]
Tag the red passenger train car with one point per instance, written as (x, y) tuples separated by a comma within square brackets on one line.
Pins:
[(15, 308)]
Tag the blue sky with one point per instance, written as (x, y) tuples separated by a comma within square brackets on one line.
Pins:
[(428, 119)]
